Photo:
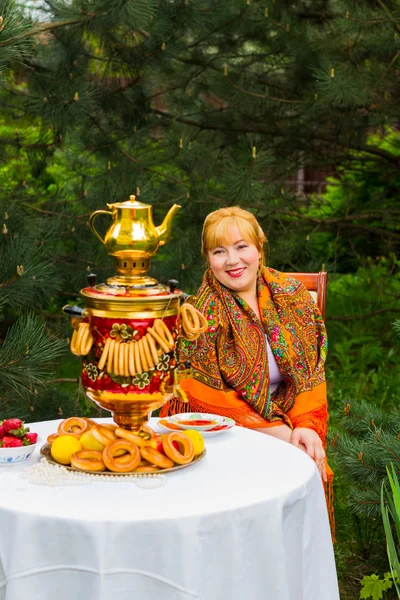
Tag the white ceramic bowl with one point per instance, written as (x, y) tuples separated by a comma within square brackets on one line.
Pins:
[(15, 456)]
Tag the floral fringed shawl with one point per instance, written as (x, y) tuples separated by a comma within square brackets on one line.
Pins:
[(230, 361)]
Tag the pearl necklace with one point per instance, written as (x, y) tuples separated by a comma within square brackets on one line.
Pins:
[(45, 473)]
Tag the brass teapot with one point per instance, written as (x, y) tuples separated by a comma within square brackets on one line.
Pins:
[(133, 238)]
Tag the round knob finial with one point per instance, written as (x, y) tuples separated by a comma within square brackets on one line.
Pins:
[(92, 279), (173, 284)]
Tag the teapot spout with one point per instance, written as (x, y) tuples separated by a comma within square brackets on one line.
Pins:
[(164, 230)]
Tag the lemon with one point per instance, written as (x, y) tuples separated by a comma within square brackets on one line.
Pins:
[(197, 440), (64, 447), (88, 442)]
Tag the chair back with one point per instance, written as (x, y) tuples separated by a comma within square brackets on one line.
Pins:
[(317, 284)]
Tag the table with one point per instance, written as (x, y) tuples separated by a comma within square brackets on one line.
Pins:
[(248, 522)]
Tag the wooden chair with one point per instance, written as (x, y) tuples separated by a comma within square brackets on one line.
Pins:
[(317, 284)]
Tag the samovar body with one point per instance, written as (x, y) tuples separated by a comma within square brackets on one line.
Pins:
[(127, 332)]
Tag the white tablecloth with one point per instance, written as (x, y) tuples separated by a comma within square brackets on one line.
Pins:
[(248, 522)]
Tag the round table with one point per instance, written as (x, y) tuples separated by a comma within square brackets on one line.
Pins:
[(249, 521)]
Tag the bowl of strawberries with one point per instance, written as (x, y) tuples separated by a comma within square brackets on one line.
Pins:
[(16, 442)]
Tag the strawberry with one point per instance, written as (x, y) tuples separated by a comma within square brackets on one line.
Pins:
[(2, 432), (160, 447), (10, 442), (30, 438), (19, 433), (10, 424)]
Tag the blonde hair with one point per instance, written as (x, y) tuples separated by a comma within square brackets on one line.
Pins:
[(217, 229)]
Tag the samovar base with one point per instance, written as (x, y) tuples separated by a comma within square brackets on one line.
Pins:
[(129, 411)]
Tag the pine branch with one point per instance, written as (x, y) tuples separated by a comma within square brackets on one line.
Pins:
[(307, 13), (151, 170), (135, 160), (209, 126), (389, 14), (381, 152), (221, 27), (25, 354), (267, 96), (367, 440), (42, 28), (40, 210)]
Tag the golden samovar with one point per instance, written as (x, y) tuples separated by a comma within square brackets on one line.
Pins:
[(127, 332)]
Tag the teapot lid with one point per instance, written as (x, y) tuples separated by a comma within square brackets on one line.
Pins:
[(131, 203)]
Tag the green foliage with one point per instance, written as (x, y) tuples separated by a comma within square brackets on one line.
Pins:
[(210, 104), (27, 272), (15, 46), (61, 401), (365, 442), (363, 373), (364, 438), (363, 347), (390, 507), (374, 587), (25, 355)]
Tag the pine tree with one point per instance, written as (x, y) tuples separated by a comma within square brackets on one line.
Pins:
[(209, 104), (204, 104), (27, 271), (367, 441)]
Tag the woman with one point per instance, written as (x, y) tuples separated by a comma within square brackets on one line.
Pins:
[(262, 359)]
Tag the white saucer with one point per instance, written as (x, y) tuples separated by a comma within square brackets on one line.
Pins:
[(173, 423)]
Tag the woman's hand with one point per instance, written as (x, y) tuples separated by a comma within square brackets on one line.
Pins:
[(309, 441)]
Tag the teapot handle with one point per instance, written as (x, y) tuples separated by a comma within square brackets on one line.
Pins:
[(91, 222)]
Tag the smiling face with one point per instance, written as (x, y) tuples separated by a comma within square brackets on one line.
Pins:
[(235, 262)]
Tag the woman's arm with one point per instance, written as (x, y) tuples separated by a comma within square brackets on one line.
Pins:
[(309, 416), (282, 432)]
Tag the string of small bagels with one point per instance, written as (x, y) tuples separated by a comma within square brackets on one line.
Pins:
[(129, 358)]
